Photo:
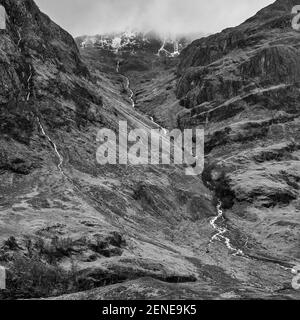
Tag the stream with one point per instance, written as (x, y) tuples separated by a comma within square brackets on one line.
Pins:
[(221, 231), (131, 95), (28, 83), (220, 236), (59, 156)]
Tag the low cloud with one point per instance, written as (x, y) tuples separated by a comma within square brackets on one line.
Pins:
[(165, 16)]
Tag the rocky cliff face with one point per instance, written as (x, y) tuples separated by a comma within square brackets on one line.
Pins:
[(243, 86), (39, 63)]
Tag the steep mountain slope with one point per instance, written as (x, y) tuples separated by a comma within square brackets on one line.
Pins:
[(60, 210), (243, 85)]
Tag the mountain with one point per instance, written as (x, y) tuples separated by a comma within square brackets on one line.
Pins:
[(243, 86), (133, 40), (74, 229)]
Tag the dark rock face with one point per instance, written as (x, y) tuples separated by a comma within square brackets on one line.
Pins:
[(205, 51), (36, 58), (243, 86), (257, 54)]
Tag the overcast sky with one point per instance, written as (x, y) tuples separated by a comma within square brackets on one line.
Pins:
[(90, 17)]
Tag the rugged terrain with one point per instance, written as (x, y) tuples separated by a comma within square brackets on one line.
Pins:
[(69, 225), (243, 84)]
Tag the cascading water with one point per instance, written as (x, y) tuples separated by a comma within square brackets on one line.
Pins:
[(176, 48), (162, 48), (220, 236), (168, 53), (28, 84), (221, 231), (131, 94), (60, 158), (118, 66), (127, 85), (20, 38)]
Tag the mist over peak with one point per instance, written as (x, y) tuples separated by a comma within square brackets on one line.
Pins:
[(92, 17), (130, 41)]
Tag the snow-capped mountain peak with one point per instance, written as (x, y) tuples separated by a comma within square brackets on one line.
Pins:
[(132, 41)]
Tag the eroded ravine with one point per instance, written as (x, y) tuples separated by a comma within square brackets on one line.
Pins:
[(131, 97), (127, 85)]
